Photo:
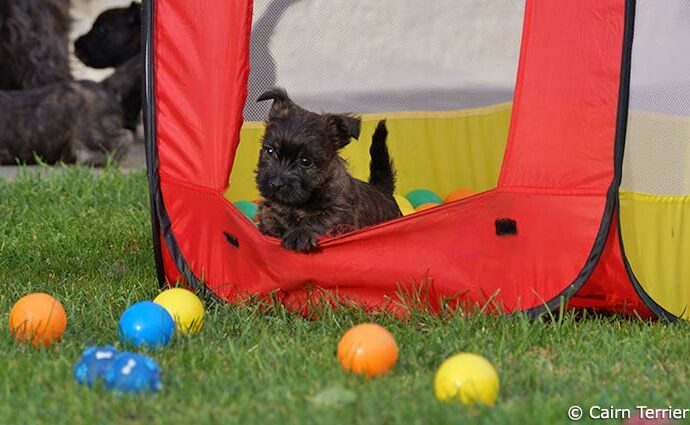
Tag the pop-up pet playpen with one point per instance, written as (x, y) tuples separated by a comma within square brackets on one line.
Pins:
[(582, 169)]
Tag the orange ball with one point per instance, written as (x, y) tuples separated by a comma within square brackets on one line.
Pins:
[(458, 194), (37, 318), (426, 206), (367, 349)]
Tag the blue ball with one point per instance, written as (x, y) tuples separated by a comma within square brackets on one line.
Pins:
[(93, 364), (133, 373), (146, 324)]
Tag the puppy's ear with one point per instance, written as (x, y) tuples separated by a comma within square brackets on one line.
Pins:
[(341, 128), (134, 13), (353, 125), (281, 101)]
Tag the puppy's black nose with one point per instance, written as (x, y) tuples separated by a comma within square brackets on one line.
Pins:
[(275, 184)]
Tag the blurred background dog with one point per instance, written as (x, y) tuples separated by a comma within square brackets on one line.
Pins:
[(70, 121), (113, 40), (34, 40), (47, 115)]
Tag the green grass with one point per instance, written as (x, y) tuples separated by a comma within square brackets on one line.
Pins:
[(86, 239)]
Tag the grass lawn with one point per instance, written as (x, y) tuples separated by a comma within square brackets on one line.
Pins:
[(86, 239)]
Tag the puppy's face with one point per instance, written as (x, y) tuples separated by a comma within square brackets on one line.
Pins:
[(299, 150), (114, 37)]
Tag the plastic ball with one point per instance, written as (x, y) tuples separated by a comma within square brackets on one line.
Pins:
[(405, 206), (422, 196), (467, 378), (426, 206), (38, 319), (186, 309), (146, 324), (133, 373), (247, 208), (457, 195), (94, 363), (367, 349)]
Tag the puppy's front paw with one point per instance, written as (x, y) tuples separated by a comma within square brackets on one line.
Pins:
[(300, 239)]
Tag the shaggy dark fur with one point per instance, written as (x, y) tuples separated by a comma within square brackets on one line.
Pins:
[(306, 189), (33, 43), (75, 121), (114, 38), (126, 81)]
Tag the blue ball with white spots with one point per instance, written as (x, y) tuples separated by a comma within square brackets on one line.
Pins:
[(94, 363), (133, 373)]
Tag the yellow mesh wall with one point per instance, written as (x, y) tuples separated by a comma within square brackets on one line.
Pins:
[(657, 154), (655, 189), (440, 151), (655, 207)]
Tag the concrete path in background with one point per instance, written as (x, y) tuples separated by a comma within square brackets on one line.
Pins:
[(135, 161)]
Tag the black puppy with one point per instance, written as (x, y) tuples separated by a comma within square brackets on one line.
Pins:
[(33, 43), (74, 121), (126, 82), (114, 38), (306, 189)]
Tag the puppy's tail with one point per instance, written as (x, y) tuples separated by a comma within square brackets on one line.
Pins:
[(381, 172)]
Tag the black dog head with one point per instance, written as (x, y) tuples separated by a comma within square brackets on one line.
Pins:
[(114, 38), (300, 150)]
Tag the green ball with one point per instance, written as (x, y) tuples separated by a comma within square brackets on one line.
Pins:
[(248, 208), (422, 196)]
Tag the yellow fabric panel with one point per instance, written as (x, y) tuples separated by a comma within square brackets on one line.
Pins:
[(656, 237), (440, 151), (242, 185)]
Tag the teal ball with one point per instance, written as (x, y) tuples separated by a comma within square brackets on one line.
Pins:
[(423, 196), (247, 208)]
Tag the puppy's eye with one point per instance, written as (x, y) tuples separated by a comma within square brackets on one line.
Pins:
[(305, 162), (269, 151)]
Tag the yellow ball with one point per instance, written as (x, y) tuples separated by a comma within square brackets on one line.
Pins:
[(468, 378), (405, 206), (186, 309)]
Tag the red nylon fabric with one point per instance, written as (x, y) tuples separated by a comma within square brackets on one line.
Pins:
[(609, 288), (171, 272), (201, 68), (454, 248), (563, 128), (558, 166)]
